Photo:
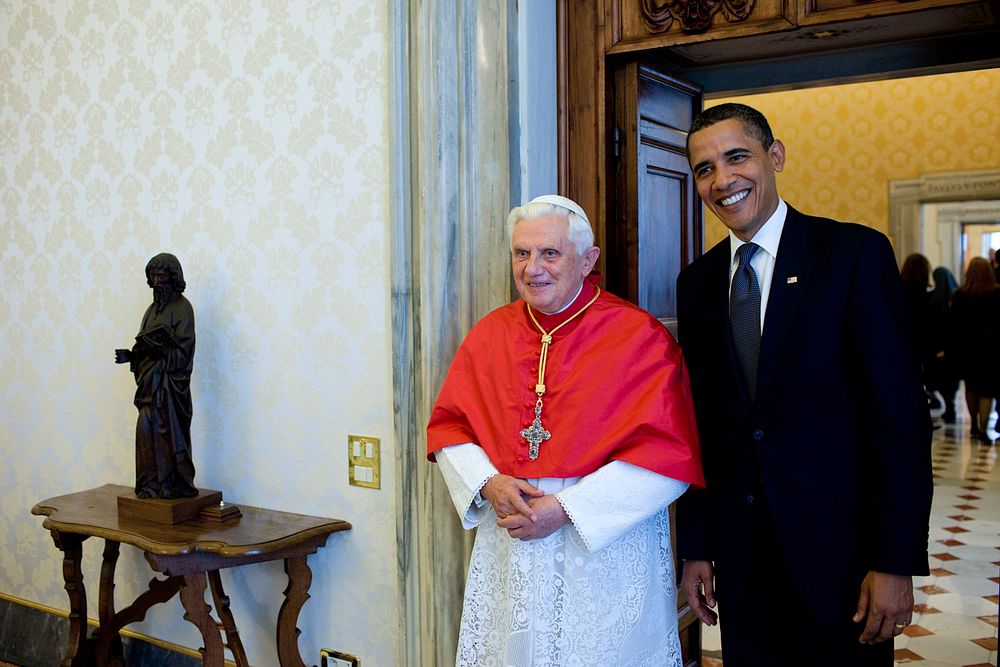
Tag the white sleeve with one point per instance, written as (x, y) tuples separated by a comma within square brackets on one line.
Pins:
[(617, 496), (466, 469)]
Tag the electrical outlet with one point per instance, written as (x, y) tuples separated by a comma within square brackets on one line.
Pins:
[(364, 461), (330, 658)]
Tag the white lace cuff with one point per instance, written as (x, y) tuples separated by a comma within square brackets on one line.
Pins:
[(466, 469), (608, 502)]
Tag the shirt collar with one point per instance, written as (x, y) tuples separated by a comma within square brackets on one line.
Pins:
[(767, 237), (568, 303)]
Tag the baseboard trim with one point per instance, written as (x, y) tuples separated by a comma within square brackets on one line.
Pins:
[(125, 632)]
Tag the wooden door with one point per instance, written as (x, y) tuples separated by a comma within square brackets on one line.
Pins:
[(656, 228), (657, 225)]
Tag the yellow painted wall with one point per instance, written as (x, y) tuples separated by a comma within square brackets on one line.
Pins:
[(846, 143)]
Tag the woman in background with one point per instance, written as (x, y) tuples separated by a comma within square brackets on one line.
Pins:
[(974, 330), (916, 278), (940, 371)]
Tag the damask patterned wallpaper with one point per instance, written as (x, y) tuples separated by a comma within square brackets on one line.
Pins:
[(248, 138), (845, 143)]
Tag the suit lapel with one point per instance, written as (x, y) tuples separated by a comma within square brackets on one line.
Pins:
[(788, 285)]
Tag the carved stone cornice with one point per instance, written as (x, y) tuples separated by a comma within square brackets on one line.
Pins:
[(694, 15)]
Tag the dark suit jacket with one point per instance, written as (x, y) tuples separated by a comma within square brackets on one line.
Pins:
[(838, 440)]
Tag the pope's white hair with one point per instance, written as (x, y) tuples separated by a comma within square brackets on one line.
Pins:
[(580, 234)]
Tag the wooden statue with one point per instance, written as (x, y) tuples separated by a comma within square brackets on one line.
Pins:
[(161, 360)]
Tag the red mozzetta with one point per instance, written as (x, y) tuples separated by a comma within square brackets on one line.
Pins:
[(615, 388)]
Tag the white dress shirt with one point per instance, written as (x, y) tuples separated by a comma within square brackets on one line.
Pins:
[(767, 237)]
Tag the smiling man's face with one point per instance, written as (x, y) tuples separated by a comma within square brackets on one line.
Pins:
[(735, 175), (548, 269)]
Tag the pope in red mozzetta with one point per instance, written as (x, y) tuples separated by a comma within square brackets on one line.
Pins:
[(563, 430)]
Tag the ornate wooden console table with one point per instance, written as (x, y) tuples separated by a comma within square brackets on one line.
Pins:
[(190, 554)]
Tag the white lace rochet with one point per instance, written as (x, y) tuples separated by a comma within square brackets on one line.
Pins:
[(599, 591)]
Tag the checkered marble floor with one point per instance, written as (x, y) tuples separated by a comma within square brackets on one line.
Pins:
[(955, 618)]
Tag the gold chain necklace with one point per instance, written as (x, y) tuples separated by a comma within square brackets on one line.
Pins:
[(536, 433)]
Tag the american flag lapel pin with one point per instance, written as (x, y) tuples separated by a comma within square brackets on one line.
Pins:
[(792, 280)]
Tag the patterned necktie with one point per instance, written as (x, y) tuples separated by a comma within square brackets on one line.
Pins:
[(744, 315)]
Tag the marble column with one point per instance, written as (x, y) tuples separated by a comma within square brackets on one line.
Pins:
[(450, 195)]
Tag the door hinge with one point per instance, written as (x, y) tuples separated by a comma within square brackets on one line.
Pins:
[(616, 138)]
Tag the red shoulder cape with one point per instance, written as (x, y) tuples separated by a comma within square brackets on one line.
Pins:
[(616, 388)]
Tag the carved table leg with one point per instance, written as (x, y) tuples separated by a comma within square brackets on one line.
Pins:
[(109, 644), (296, 594), (226, 616), (200, 614), (160, 590), (77, 650)]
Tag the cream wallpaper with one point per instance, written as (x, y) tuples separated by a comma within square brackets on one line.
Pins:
[(248, 137), (845, 143)]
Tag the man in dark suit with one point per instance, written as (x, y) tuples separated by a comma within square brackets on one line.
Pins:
[(815, 431)]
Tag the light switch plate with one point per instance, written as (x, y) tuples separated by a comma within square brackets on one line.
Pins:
[(364, 461), (330, 658)]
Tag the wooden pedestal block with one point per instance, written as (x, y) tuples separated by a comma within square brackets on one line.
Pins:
[(220, 513), (162, 510)]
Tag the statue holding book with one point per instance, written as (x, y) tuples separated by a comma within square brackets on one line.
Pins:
[(161, 360)]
